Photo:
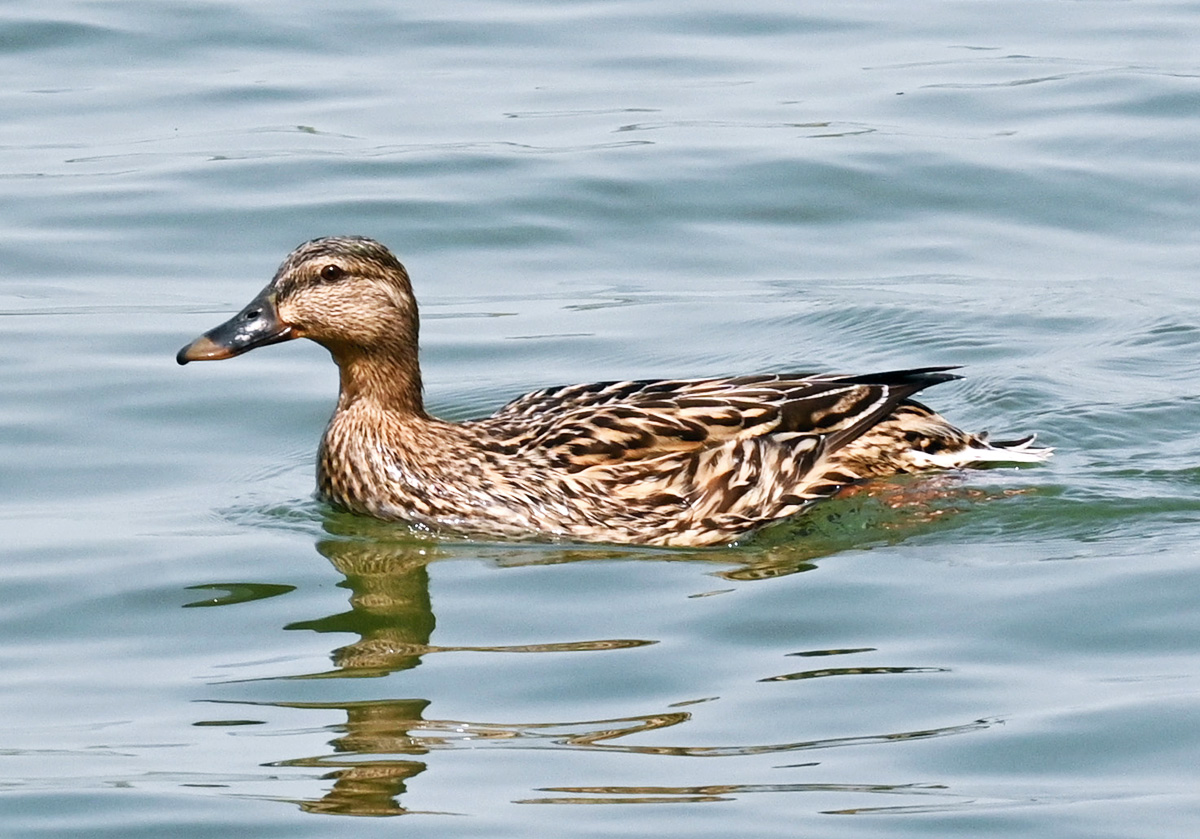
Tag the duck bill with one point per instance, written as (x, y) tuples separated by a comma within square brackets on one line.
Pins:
[(257, 325)]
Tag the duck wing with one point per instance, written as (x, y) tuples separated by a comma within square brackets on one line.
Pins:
[(606, 423)]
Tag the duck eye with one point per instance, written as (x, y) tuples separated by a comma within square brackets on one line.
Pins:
[(332, 272)]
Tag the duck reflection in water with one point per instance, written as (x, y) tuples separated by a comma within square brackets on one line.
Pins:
[(388, 577), (377, 749), (392, 615)]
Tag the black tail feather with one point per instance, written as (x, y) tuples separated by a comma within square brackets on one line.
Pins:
[(922, 377)]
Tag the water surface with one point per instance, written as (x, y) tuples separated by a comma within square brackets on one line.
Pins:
[(194, 646)]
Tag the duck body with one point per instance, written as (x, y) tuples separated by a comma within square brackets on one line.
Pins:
[(655, 462)]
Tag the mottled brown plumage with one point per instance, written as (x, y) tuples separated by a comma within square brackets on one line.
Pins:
[(690, 462)]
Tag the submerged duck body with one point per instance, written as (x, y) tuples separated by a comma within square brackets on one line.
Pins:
[(655, 462)]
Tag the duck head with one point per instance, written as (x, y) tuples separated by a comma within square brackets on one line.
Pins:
[(347, 293)]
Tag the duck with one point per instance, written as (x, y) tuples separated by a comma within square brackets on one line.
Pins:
[(664, 462)]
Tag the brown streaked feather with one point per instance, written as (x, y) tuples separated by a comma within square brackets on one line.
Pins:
[(589, 425)]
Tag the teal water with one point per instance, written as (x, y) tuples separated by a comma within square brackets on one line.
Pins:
[(190, 645)]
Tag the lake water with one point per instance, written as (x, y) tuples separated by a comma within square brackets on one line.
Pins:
[(192, 646)]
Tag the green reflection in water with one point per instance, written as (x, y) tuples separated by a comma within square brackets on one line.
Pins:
[(237, 593), (376, 750), (715, 792), (368, 779)]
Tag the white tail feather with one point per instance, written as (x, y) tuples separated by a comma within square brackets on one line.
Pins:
[(981, 452)]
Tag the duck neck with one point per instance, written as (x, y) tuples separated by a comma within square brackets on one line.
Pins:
[(381, 381)]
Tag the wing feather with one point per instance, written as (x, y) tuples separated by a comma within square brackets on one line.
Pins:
[(605, 423)]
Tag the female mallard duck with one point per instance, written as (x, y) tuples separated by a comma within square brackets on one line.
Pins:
[(695, 462)]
